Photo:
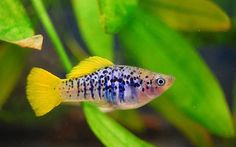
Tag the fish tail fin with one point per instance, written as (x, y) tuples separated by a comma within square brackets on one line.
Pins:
[(42, 91)]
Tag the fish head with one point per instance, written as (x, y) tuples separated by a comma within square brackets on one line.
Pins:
[(161, 83), (154, 86)]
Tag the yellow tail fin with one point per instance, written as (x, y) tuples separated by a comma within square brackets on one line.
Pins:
[(42, 91)]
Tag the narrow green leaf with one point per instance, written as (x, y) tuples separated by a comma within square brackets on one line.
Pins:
[(43, 16), (234, 102), (196, 92), (15, 26), (87, 15), (108, 131), (12, 61), (116, 13), (194, 15)]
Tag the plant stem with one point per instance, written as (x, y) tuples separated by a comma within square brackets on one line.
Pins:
[(39, 7)]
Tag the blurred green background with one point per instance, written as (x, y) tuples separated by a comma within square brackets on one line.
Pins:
[(192, 40)]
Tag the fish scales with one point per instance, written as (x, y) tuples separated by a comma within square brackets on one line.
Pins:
[(114, 85)]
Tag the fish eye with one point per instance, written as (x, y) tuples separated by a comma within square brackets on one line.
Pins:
[(160, 81)]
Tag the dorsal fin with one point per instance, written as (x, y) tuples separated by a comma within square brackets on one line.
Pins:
[(88, 66)]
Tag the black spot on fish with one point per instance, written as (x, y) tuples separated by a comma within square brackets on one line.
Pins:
[(105, 71), (123, 82), (136, 85), (85, 89), (120, 80), (141, 82), (131, 82), (78, 87)]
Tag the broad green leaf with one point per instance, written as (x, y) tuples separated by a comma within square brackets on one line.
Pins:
[(196, 92), (116, 13), (189, 15), (108, 131), (194, 131), (15, 26), (131, 116), (12, 61), (87, 16)]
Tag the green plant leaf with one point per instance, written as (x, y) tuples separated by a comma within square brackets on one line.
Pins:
[(234, 102), (12, 61), (131, 116), (15, 26), (196, 92), (194, 15), (193, 130), (87, 15), (110, 132), (116, 13)]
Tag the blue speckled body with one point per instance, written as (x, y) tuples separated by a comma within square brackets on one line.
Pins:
[(113, 87)]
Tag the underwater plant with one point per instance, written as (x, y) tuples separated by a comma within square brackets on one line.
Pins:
[(143, 33)]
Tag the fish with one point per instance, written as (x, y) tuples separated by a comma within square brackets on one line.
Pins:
[(96, 80)]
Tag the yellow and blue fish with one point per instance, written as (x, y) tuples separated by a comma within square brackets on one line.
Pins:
[(99, 81)]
